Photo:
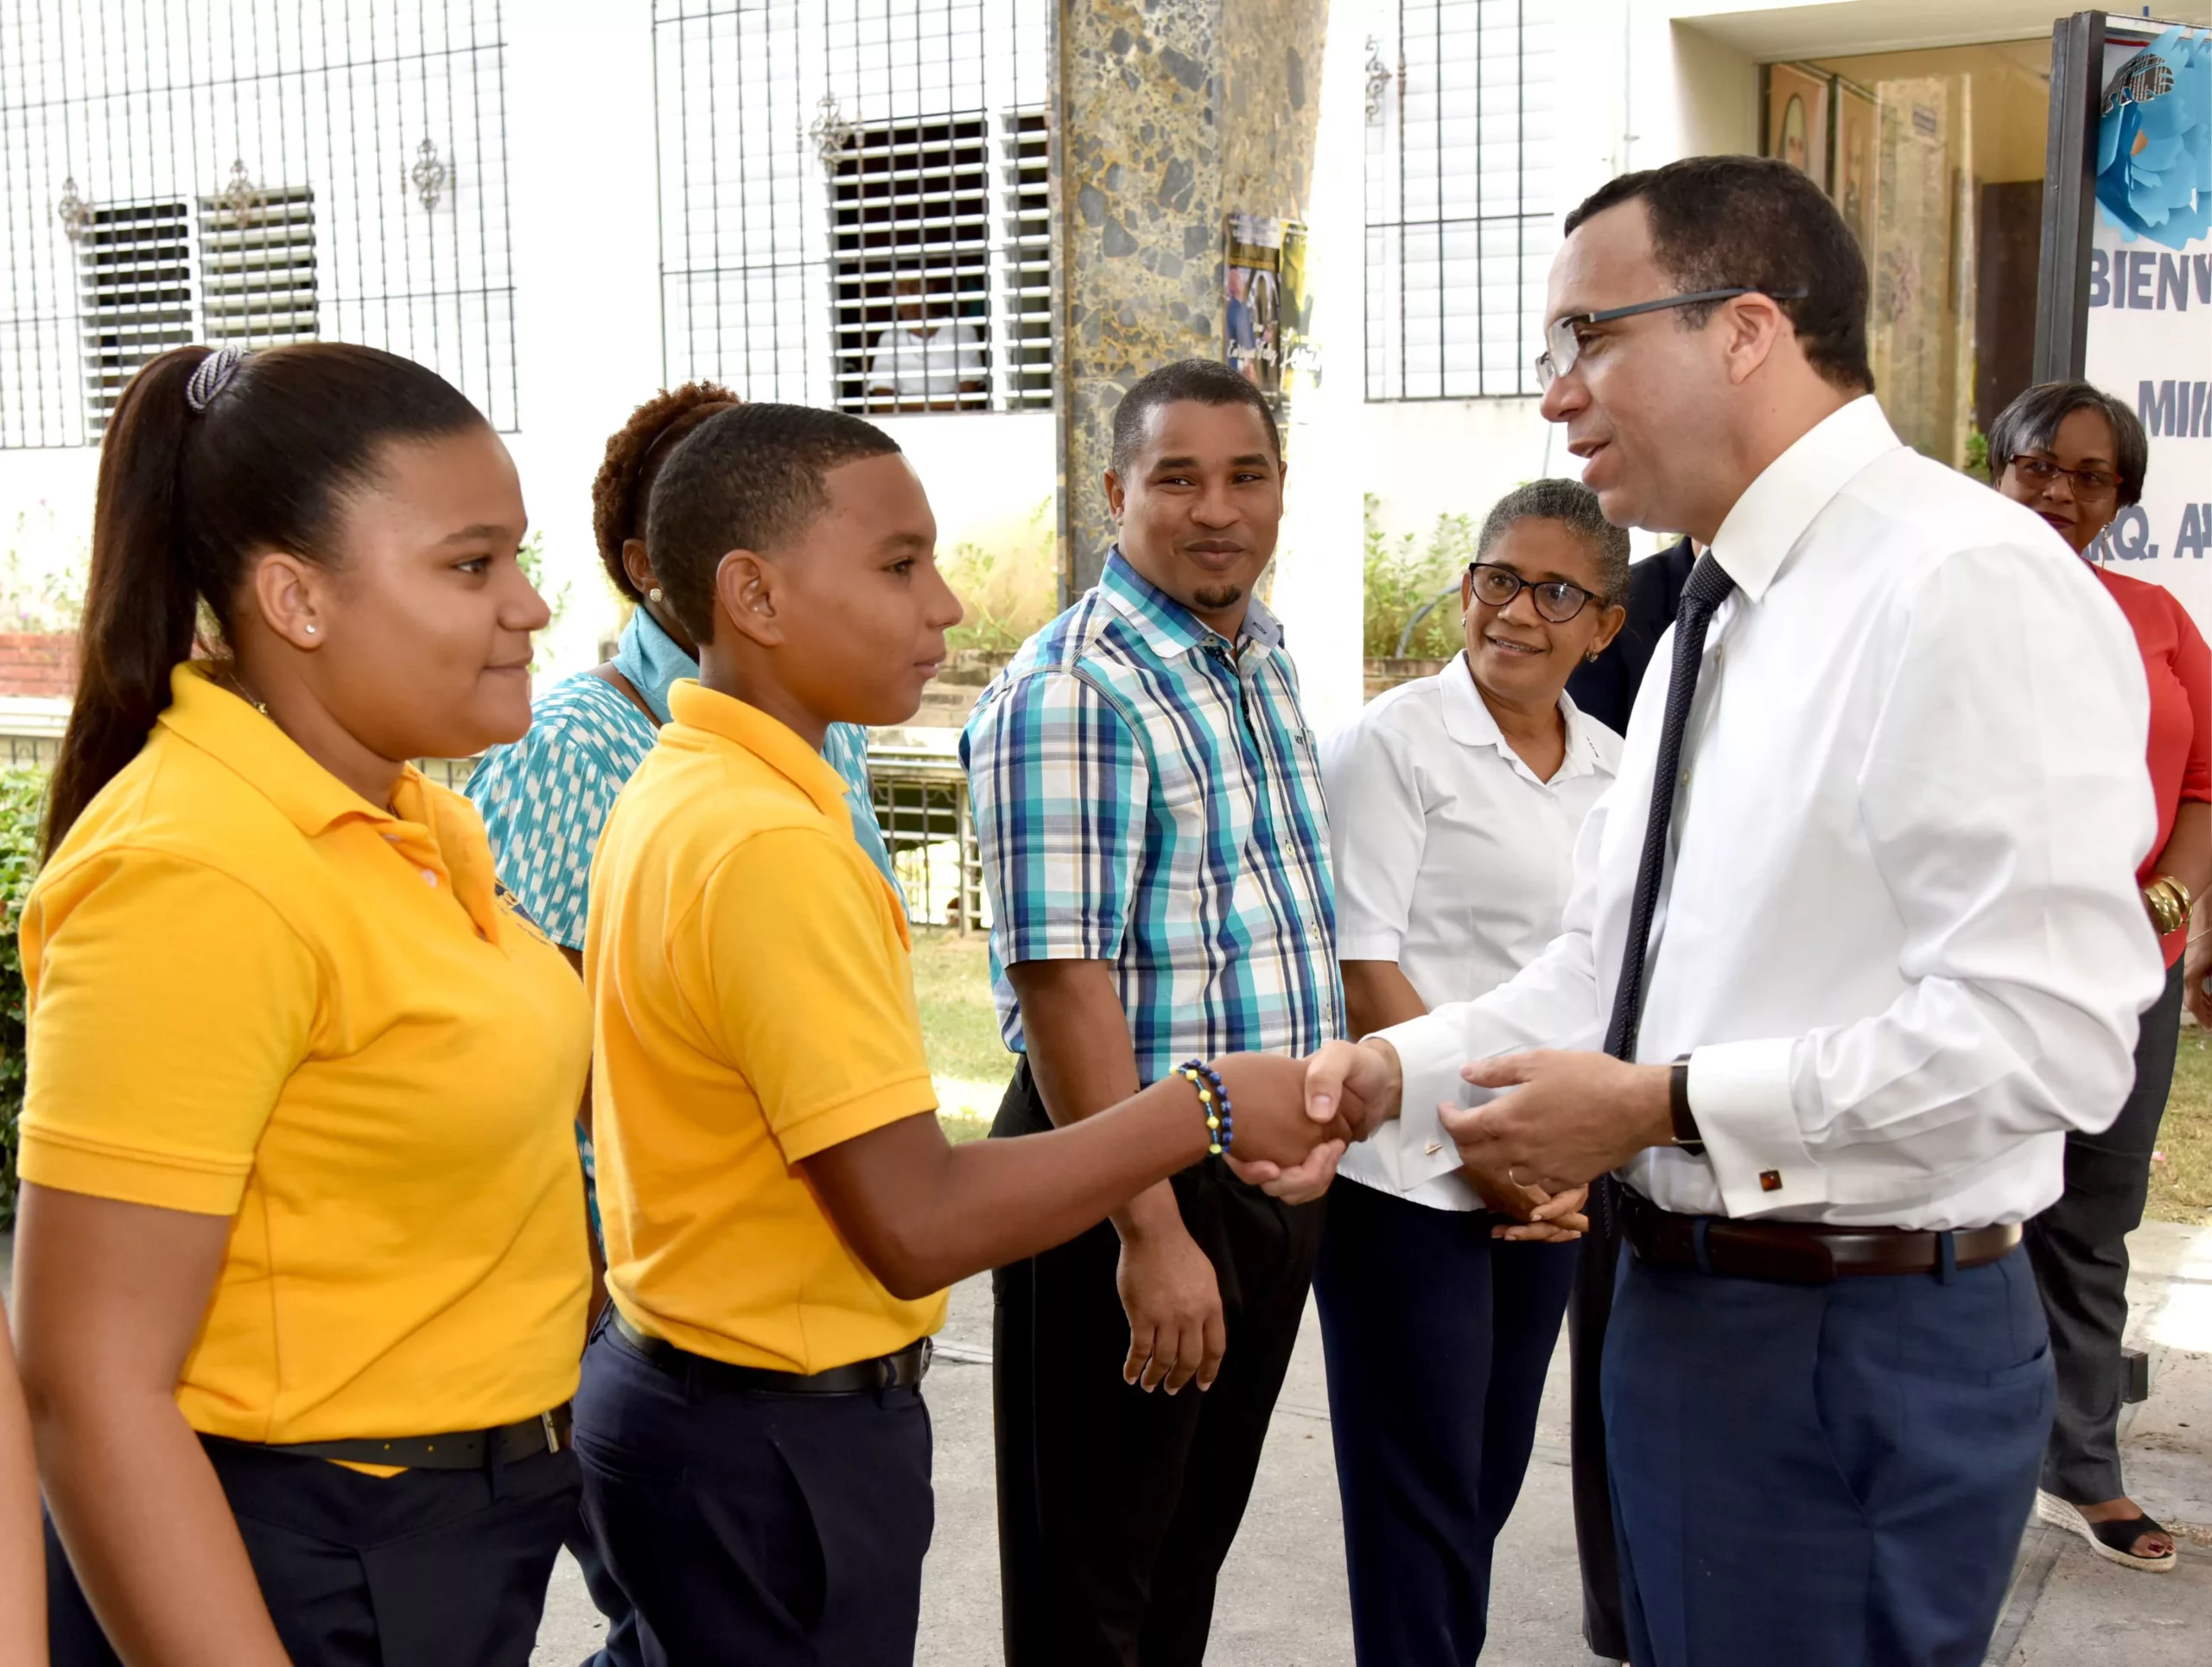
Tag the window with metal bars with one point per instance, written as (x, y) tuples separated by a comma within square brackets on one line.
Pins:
[(255, 171), (854, 200), (910, 211), (134, 269), (257, 268), (1463, 117)]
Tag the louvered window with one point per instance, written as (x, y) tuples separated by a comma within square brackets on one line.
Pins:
[(1025, 313), (854, 200), (249, 171), (910, 214), (1460, 203), (257, 268), (134, 271)]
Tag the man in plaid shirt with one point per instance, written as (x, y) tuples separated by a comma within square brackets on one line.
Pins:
[(1148, 804)]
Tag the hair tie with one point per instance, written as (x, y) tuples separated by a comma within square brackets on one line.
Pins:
[(211, 376)]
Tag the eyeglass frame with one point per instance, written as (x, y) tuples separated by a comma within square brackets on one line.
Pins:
[(1521, 583), (1549, 367), (2085, 482)]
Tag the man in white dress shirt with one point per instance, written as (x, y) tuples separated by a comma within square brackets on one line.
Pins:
[(1857, 932), (921, 364)]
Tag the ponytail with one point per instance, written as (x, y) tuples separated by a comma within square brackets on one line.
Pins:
[(139, 598), (208, 461)]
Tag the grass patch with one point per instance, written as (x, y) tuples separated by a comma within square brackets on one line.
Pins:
[(2181, 1177), (952, 987)]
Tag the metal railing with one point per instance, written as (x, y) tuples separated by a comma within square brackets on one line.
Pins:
[(921, 803)]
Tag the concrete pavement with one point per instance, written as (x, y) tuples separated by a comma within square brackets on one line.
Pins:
[(1283, 1601)]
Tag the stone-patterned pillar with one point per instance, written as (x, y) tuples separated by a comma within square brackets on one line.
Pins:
[(1170, 114)]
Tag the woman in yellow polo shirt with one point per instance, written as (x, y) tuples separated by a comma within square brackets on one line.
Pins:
[(301, 1272)]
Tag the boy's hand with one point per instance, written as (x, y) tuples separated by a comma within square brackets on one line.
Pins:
[(1272, 1125)]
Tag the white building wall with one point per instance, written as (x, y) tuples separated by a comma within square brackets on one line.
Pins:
[(1640, 81)]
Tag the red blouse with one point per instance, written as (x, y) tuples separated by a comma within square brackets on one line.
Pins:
[(2179, 668)]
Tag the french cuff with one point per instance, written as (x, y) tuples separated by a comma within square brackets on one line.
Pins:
[(1739, 1094), (1430, 1052)]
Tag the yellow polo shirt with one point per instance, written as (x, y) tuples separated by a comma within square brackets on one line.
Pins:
[(752, 1003), (253, 994)]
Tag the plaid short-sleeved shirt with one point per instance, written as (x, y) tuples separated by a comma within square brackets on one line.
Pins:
[(1146, 793)]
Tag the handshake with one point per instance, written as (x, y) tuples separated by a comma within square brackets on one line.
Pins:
[(1295, 1119)]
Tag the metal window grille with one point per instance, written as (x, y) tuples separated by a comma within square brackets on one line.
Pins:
[(320, 167), (836, 173), (909, 214), (257, 268), (134, 264), (1459, 198)]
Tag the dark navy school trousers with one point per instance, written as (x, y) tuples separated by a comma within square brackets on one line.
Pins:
[(1822, 1475), (1436, 1338), (771, 1530)]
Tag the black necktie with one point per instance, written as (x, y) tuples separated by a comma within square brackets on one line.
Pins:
[(1708, 587)]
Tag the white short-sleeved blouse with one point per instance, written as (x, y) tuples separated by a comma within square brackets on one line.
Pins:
[(1453, 858)]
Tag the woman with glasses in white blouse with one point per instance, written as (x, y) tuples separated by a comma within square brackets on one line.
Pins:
[(1455, 802)]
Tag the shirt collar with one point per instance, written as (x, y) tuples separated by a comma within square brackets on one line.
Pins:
[(651, 659), (234, 734), (437, 831), (1467, 719), (1774, 510), (1168, 627), (775, 744)]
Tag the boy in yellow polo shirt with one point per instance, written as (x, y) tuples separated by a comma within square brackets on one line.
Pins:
[(782, 1211)]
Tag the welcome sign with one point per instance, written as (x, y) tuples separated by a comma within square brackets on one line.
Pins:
[(2150, 298)]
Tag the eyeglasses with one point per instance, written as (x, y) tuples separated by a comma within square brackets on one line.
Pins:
[(1562, 347), (2041, 472), (1556, 600)]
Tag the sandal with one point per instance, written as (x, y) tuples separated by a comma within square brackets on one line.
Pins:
[(2113, 1541)]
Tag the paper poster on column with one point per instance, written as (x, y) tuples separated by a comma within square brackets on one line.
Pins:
[(1265, 311), (2149, 304)]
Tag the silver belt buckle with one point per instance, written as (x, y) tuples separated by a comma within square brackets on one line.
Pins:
[(552, 1435)]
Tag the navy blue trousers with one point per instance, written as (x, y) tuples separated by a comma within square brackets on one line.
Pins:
[(773, 1529), (1436, 1338), (1824, 1475), (427, 1568)]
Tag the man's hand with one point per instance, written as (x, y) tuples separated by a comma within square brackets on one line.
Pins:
[(1360, 1079), (1569, 1119), (1301, 1185), (1554, 1219), (1173, 1302)]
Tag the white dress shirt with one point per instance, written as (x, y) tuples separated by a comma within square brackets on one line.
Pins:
[(911, 365), (1898, 936), (1453, 858)]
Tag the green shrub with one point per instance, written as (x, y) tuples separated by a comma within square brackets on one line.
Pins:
[(22, 792), (1402, 579)]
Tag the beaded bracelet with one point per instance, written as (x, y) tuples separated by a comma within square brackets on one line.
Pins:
[(1215, 1099)]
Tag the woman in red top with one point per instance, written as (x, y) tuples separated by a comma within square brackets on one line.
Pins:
[(2076, 456)]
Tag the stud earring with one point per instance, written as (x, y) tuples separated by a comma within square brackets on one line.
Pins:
[(653, 595), (312, 629)]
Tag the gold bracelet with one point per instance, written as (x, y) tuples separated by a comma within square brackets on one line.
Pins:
[(2169, 902)]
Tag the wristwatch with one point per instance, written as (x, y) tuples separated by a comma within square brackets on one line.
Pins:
[(1678, 1101)]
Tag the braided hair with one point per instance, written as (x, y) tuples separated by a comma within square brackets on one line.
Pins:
[(635, 454)]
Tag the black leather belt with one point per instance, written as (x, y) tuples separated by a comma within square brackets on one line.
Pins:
[(903, 1369), (467, 1449), (1801, 1252)]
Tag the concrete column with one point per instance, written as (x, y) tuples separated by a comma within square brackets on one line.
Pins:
[(1169, 116)]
